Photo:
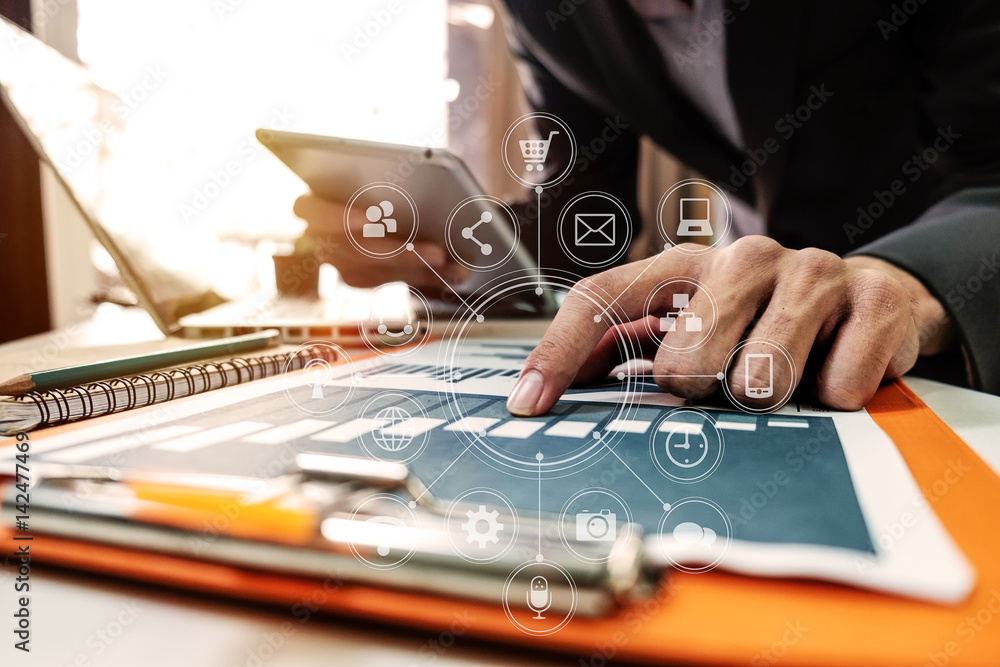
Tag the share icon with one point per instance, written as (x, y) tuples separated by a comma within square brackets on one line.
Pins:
[(469, 233)]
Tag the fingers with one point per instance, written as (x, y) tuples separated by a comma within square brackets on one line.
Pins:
[(616, 347), (735, 287), (318, 211), (809, 295), (877, 340), (428, 265), (589, 310), (810, 305)]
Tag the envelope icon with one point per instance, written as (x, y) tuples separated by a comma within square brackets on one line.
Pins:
[(594, 229)]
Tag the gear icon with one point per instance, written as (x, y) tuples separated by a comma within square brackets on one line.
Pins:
[(471, 527)]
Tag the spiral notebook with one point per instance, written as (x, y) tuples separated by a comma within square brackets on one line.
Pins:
[(48, 408)]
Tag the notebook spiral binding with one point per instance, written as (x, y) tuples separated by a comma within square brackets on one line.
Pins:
[(56, 406)]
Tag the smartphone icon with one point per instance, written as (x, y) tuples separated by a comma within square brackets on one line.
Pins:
[(758, 390)]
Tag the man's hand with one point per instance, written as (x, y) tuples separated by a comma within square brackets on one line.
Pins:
[(326, 226), (857, 321)]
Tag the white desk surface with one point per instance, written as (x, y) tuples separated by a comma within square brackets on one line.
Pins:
[(81, 619)]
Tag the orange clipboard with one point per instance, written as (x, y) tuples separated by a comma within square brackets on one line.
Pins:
[(702, 619)]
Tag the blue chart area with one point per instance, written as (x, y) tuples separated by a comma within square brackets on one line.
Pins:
[(779, 479)]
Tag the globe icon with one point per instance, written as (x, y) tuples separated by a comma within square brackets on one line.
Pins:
[(393, 429)]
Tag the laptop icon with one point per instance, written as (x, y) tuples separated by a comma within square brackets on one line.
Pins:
[(695, 215)]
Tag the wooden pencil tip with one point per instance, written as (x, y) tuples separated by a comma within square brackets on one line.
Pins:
[(18, 386)]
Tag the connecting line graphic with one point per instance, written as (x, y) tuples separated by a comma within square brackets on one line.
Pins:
[(538, 236), (597, 318), (539, 456), (428, 487), (479, 318), (666, 506), (718, 376)]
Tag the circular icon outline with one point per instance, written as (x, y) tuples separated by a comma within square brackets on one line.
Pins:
[(383, 496), (399, 350), (593, 449), (449, 241), (456, 504), (341, 358), (725, 549), (363, 438), (622, 247), (700, 288), (357, 244), (569, 164), (663, 469), (620, 539), (506, 594), (727, 366), (719, 238)]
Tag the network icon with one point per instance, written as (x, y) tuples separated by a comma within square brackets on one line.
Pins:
[(469, 233), (668, 323)]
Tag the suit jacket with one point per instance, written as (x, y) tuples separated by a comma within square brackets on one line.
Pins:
[(870, 127)]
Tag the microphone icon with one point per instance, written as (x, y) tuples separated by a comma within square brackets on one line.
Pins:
[(538, 596)]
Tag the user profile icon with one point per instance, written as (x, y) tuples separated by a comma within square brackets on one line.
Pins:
[(389, 220)]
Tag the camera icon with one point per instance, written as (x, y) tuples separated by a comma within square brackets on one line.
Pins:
[(596, 526)]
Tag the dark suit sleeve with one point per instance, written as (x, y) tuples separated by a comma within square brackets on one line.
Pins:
[(607, 146), (954, 247)]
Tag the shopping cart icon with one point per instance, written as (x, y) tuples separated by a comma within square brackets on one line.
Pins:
[(534, 151)]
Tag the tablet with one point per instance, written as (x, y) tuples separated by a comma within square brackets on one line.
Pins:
[(478, 231)]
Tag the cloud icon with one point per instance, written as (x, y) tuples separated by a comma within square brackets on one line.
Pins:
[(691, 533)]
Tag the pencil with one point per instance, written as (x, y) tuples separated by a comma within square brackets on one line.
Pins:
[(71, 376)]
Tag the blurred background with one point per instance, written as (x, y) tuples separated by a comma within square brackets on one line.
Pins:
[(196, 78)]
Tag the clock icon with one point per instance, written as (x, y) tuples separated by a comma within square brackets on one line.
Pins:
[(687, 449)]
